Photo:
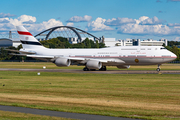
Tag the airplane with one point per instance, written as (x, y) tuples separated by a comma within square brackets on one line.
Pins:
[(94, 59)]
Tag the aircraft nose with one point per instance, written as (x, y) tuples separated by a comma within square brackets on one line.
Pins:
[(173, 56)]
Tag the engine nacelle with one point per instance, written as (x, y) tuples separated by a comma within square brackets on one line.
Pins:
[(62, 62), (123, 66), (93, 64)]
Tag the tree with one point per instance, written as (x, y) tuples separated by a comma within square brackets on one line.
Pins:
[(176, 51), (87, 43), (102, 45), (97, 44)]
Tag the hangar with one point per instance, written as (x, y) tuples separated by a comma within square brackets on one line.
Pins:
[(8, 42), (5, 42)]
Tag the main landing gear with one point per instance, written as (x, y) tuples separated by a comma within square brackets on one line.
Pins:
[(85, 69), (103, 68), (158, 69)]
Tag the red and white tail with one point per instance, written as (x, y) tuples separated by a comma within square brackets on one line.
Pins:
[(27, 39)]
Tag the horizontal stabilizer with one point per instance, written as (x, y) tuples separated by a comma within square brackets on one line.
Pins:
[(18, 54), (20, 51)]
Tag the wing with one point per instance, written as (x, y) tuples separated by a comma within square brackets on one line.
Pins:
[(108, 61)]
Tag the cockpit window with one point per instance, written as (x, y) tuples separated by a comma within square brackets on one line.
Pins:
[(163, 48)]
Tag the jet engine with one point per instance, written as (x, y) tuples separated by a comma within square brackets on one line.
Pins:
[(123, 66), (93, 64), (62, 62)]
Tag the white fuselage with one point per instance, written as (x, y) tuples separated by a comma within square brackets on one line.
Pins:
[(120, 55)]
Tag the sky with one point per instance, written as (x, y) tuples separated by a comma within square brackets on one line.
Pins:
[(120, 19)]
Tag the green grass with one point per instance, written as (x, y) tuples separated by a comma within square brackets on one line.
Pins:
[(145, 96), (4, 115)]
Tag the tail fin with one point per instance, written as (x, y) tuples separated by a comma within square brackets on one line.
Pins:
[(27, 39)]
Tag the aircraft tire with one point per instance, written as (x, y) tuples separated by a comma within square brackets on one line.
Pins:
[(103, 68), (85, 69), (158, 69)]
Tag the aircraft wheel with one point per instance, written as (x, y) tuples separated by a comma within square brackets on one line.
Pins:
[(103, 68), (85, 69), (158, 69)]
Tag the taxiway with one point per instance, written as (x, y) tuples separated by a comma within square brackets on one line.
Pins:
[(96, 72)]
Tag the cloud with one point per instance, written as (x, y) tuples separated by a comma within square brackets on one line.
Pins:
[(3, 15), (86, 18), (119, 21), (29, 22), (146, 29), (98, 25), (157, 30), (177, 39), (70, 24), (141, 26), (150, 21), (148, 26), (144, 20), (22, 20), (36, 28), (173, 25), (4, 20), (27, 18)]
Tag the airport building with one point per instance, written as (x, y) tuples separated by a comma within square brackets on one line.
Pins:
[(8, 42), (109, 42), (137, 42), (10, 39)]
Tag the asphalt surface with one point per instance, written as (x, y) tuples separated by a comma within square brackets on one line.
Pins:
[(59, 114), (97, 72)]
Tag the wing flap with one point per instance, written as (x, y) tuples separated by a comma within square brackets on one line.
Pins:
[(116, 61), (84, 60), (41, 56)]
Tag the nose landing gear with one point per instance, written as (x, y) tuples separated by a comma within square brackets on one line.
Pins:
[(85, 69), (158, 69)]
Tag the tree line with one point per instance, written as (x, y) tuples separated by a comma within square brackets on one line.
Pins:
[(61, 42)]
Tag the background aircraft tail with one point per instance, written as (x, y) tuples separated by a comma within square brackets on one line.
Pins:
[(27, 39)]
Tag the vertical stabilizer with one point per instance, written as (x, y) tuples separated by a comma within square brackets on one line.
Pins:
[(27, 39)]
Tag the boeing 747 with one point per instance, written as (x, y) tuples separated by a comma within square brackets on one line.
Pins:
[(95, 59)]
